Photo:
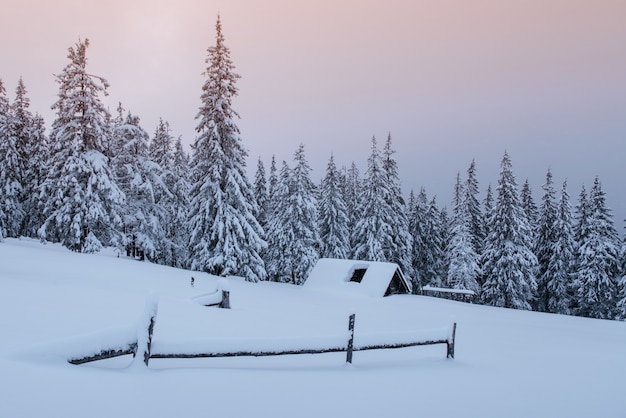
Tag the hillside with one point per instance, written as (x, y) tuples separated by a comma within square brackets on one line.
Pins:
[(508, 363)]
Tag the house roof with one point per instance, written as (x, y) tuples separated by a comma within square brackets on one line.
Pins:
[(331, 273)]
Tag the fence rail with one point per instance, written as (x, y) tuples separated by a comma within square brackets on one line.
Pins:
[(145, 341)]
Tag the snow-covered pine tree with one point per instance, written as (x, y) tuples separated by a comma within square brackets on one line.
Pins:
[(472, 207), (400, 251), (82, 201), (418, 228), (372, 236), (333, 216), (261, 194), (11, 170), (302, 213), (160, 149), (177, 204), (436, 262), (598, 262), (272, 182), (621, 296), (34, 175), (141, 180), (4, 140), (463, 261), (280, 234), (225, 237), (509, 265), (560, 265), (530, 209), (546, 237), (351, 193)]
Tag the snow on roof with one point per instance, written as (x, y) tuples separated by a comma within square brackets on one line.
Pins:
[(331, 273)]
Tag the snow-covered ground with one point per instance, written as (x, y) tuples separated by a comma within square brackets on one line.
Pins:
[(54, 303)]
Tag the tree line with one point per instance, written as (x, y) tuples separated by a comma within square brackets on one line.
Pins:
[(99, 180)]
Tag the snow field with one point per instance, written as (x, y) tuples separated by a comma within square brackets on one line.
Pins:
[(508, 363)]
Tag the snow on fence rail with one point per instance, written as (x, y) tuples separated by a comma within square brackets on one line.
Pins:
[(456, 294), (149, 349)]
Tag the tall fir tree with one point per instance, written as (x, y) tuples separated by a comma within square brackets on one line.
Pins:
[(400, 251), (82, 201), (418, 228), (261, 194), (177, 204), (302, 211), (598, 258), (508, 262), (225, 236), (280, 235), (351, 192), (373, 232), (530, 209), (546, 237), (142, 181), (560, 266), (11, 170), (463, 260), (472, 208), (334, 220), (4, 140), (436, 262)]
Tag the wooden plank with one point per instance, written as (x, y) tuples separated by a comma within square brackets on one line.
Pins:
[(106, 354)]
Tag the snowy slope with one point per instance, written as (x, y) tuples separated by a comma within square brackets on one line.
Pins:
[(508, 363)]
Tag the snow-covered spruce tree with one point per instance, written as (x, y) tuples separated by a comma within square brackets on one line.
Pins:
[(11, 170), (82, 202), (472, 207), (172, 198), (333, 216), (225, 237), (621, 296), (509, 265), (261, 194), (418, 228), (303, 208), (463, 261), (372, 236), (598, 263), (34, 175), (177, 204), (351, 192), (160, 149), (437, 264), (400, 251), (141, 180), (561, 263), (279, 232), (530, 209), (546, 237)]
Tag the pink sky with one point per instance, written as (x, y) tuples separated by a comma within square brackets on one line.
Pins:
[(452, 80)]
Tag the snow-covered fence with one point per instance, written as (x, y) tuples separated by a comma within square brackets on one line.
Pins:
[(446, 293), (308, 345), (349, 343)]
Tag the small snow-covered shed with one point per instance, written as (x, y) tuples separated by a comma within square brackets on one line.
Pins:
[(371, 278)]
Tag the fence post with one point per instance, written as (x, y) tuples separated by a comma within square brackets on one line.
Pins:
[(351, 340), (146, 354), (225, 303), (450, 343)]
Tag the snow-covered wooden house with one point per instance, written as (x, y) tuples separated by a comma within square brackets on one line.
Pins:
[(371, 278)]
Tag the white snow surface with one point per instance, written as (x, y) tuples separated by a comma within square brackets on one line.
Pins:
[(55, 304)]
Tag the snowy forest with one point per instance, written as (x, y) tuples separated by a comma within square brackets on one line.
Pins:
[(99, 179)]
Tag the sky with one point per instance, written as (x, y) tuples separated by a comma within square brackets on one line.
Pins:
[(450, 80)]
